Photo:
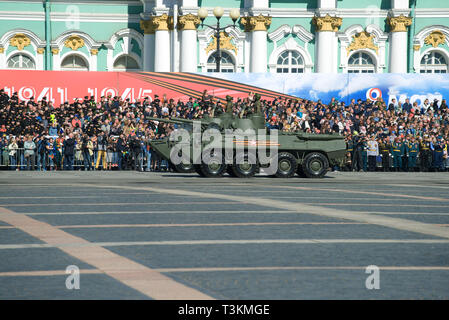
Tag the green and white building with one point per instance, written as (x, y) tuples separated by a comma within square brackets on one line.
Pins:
[(278, 36)]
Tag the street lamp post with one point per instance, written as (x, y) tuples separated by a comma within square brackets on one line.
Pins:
[(234, 14)]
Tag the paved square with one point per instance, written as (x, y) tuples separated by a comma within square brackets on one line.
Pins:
[(173, 236)]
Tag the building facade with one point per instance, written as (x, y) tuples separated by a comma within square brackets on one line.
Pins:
[(277, 36)]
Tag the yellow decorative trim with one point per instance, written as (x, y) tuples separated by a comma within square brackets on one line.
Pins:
[(416, 47), (188, 22), (94, 52), (259, 23), (74, 42), (147, 26), (363, 40), (20, 41), (2, 50), (225, 43), (40, 50), (327, 23), (435, 39), (55, 51), (399, 24), (163, 22)]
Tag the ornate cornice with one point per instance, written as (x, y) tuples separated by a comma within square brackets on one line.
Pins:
[(20, 41), (147, 26), (74, 42), (362, 40), (225, 43), (163, 22), (435, 38), (259, 23), (399, 24), (327, 23), (188, 22)]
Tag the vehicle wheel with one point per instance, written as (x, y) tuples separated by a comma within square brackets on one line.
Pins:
[(286, 165), (315, 165), (213, 169), (245, 169), (185, 168), (230, 171), (197, 168), (300, 172)]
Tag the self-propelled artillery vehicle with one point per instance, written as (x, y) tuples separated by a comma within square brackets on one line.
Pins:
[(230, 149)]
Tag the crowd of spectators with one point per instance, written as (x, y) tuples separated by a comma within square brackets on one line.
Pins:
[(114, 134)]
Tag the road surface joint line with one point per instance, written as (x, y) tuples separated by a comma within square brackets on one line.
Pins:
[(395, 223), (151, 283)]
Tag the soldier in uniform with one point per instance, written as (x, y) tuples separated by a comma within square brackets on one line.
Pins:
[(349, 151), (438, 155), (384, 148), (397, 152), (365, 153), (373, 152), (412, 151), (405, 155), (357, 155), (425, 154)]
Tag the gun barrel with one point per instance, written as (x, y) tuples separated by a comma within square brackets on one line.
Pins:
[(169, 120), (177, 120)]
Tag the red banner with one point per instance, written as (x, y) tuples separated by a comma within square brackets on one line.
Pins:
[(61, 86)]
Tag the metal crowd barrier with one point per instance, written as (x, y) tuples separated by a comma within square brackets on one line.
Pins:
[(18, 161)]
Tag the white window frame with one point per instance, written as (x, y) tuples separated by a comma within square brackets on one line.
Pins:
[(433, 68), (21, 55), (361, 68), (75, 69), (130, 55), (224, 67), (290, 66)]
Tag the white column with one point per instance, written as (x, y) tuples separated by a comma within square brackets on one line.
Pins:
[(398, 52), (400, 4), (93, 60), (148, 52), (327, 4), (39, 59), (162, 48), (148, 43), (399, 43), (189, 50), (324, 52), (326, 44), (2, 58), (189, 53), (259, 51), (56, 59), (257, 25), (162, 51)]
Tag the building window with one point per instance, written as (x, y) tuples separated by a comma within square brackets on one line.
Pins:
[(20, 61), (433, 62), (290, 62), (74, 62), (361, 62), (125, 63), (226, 64)]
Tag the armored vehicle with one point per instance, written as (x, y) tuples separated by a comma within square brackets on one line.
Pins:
[(308, 155)]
